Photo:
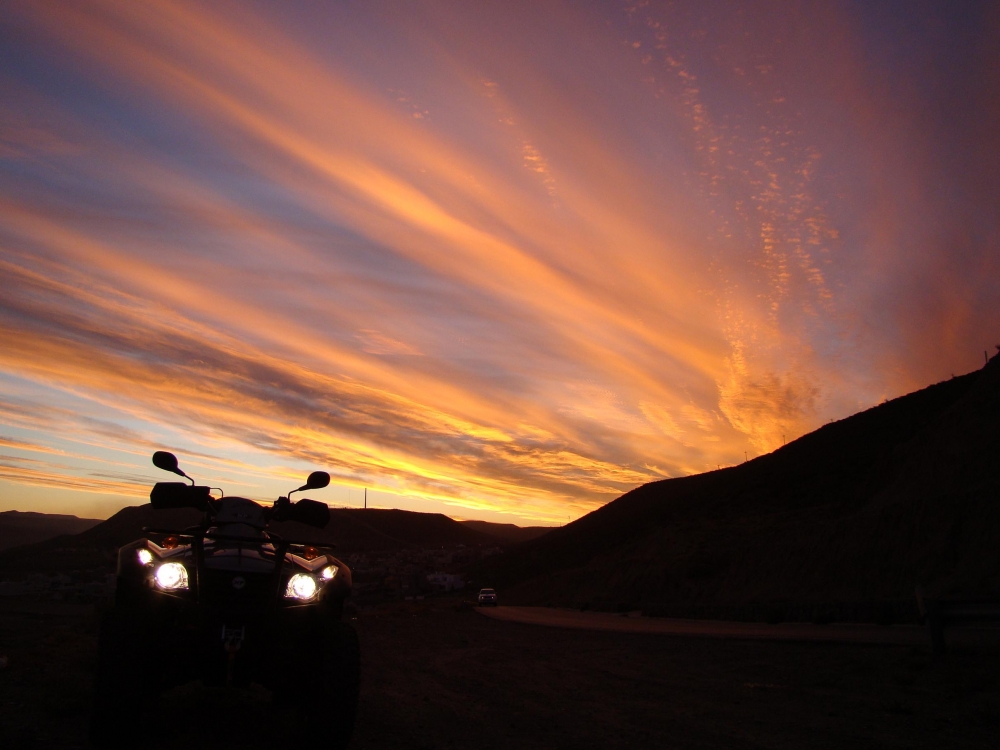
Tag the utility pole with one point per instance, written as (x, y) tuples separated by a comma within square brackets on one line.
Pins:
[(366, 498)]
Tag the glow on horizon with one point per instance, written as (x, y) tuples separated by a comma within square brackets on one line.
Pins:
[(499, 261)]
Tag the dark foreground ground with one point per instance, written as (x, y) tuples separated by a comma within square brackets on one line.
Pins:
[(437, 675)]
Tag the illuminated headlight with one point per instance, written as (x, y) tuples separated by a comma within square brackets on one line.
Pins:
[(328, 572), (301, 586), (171, 576), (145, 557)]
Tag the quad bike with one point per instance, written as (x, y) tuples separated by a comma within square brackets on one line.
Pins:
[(229, 603)]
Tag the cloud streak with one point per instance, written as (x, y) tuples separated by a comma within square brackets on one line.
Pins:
[(615, 256)]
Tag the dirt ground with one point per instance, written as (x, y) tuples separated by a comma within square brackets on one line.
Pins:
[(633, 622), (439, 675)]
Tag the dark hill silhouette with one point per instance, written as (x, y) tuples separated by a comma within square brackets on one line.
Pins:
[(508, 532), (350, 530), (860, 510), (26, 527), (366, 530)]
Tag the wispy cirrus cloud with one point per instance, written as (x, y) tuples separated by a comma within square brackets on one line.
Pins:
[(511, 282)]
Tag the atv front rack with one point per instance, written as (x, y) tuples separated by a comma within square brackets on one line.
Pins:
[(231, 538)]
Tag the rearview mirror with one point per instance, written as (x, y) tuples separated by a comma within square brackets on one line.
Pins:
[(316, 481), (311, 513), (168, 462)]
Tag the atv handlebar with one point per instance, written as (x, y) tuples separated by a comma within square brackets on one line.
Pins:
[(166, 495), (179, 495)]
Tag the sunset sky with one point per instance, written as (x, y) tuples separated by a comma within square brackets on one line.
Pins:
[(499, 260)]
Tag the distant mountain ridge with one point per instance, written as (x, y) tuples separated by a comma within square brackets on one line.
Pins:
[(350, 530), (28, 527), (508, 531), (863, 509)]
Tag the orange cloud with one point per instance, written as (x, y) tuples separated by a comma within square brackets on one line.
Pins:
[(582, 267)]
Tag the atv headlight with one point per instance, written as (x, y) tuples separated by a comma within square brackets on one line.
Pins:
[(171, 576), (145, 556), (301, 586), (328, 572)]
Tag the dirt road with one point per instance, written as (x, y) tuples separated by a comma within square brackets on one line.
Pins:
[(895, 635)]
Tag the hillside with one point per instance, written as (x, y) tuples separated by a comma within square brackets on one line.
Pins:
[(20, 527), (508, 532), (350, 530), (861, 510)]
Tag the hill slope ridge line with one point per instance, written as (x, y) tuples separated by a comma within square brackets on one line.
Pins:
[(18, 527), (862, 509)]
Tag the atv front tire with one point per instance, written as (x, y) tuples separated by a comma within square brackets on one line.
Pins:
[(328, 710), (343, 671), (121, 681)]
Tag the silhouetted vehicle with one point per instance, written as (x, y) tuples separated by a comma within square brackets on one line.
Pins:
[(228, 602), (487, 598)]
